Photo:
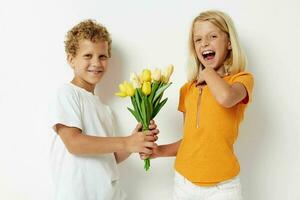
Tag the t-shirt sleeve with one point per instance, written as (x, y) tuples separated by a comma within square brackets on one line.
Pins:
[(247, 80), (65, 109), (182, 94)]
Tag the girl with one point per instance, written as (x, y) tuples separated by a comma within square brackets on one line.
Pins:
[(213, 103)]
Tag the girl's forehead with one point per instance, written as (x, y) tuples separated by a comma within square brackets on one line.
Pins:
[(204, 27)]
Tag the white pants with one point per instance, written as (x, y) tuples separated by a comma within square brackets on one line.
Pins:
[(186, 190)]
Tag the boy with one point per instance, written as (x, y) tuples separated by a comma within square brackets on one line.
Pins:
[(85, 151)]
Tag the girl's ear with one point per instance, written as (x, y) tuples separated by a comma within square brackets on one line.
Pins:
[(229, 45), (70, 60)]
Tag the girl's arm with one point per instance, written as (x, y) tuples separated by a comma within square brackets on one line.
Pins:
[(81, 144), (123, 155), (227, 95), (166, 150)]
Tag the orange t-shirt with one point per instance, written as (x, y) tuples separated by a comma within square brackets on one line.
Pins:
[(206, 155)]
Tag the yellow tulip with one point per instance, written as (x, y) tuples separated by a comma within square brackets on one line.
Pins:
[(129, 89), (122, 88), (167, 73), (146, 75), (135, 80), (121, 94), (146, 88), (156, 75)]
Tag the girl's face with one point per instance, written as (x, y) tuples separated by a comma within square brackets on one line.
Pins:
[(211, 44), (90, 63)]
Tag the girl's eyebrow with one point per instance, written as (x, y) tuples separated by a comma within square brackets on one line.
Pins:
[(215, 31)]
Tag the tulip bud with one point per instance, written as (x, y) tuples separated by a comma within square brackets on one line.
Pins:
[(146, 88), (156, 75), (135, 80), (146, 75), (167, 73), (129, 89)]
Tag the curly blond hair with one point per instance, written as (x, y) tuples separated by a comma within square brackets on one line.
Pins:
[(87, 29)]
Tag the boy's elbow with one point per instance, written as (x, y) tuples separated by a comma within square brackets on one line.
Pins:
[(72, 147)]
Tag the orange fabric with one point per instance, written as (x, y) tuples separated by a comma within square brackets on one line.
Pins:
[(206, 155)]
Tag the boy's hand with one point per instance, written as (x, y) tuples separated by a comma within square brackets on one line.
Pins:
[(153, 129), (155, 150), (141, 141)]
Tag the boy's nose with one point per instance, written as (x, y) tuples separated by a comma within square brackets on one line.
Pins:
[(96, 63)]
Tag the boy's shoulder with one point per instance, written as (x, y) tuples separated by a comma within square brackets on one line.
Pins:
[(67, 90)]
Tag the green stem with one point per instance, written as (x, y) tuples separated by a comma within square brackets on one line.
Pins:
[(147, 160)]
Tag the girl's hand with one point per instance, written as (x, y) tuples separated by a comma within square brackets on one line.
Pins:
[(156, 152)]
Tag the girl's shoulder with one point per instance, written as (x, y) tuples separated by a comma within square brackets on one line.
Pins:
[(241, 75), (187, 85)]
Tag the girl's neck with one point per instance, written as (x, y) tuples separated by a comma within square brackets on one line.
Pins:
[(221, 71)]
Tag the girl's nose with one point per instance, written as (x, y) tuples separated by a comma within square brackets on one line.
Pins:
[(204, 43)]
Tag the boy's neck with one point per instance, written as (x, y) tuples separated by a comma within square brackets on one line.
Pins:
[(83, 84)]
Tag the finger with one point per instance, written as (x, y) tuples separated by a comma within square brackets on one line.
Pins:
[(152, 126), (149, 144), (155, 131), (150, 138), (144, 157), (147, 132), (138, 127), (147, 151)]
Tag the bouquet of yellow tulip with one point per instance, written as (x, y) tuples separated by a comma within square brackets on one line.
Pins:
[(146, 92)]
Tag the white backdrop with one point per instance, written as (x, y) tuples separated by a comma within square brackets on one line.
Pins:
[(148, 34)]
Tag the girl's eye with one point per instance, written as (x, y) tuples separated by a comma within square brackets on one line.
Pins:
[(213, 36), (198, 40), (87, 56)]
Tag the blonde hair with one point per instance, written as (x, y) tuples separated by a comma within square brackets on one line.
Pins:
[(235, 61), (87, 29)]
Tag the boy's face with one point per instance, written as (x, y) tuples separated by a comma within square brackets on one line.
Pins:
[(90, 63)]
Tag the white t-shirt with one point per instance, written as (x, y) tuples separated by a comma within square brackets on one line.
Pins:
[(83, 177)]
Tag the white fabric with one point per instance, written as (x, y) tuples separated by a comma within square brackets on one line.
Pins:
[(82, 177), (186, 190)]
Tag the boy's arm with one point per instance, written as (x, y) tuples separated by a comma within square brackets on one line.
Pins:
[(81, 144)]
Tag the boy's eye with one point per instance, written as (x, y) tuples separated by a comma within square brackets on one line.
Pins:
[(213, 36), (103, 57)]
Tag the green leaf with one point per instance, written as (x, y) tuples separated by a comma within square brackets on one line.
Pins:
[(136, 109), (157, 101), (138, 102), (134, 114), (148, 110), (154, 87), (157, 108), (143, 113), (161, 90)]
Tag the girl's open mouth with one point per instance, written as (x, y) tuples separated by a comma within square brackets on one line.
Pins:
[(208, 55)]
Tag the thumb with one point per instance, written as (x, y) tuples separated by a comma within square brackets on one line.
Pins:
[(138, 127)]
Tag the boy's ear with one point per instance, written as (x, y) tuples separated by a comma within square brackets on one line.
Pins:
[(70, 60)]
